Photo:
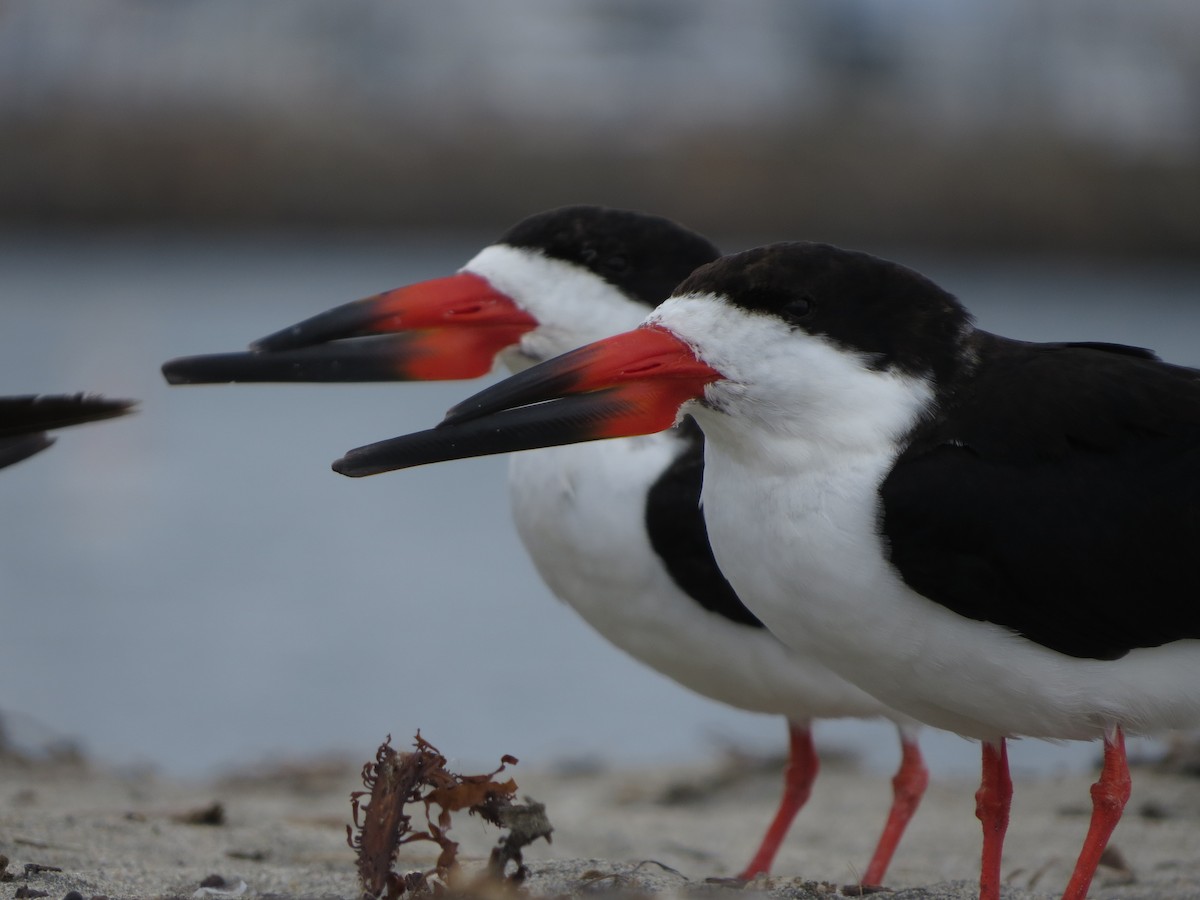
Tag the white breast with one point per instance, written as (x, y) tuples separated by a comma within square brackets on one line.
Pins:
[(803, 549), (580, 512)]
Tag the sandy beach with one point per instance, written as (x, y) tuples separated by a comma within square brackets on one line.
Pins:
[(283, 833)]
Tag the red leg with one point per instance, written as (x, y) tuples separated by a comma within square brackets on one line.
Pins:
[(798, 780), (992, 802), (1109, 796), (908, 787)]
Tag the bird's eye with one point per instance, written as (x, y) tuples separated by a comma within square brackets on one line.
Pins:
[(798, 309)]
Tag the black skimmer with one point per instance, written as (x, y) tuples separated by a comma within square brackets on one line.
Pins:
[(25, 419), (615, 530), (993, 536)]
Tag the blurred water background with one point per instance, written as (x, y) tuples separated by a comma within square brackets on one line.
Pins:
[(192, 588)]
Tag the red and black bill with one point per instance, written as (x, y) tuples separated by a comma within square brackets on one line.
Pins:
[(440, 330), (630, 384)]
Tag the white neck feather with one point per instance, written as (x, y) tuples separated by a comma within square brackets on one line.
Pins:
[(572, 305)]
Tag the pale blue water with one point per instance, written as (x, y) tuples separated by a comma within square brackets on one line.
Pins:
[(193, 588)]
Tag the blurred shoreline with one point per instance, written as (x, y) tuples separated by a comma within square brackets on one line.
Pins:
[(1024, 128), (1006, 193)]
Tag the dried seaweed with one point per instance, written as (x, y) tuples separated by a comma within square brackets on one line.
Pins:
[(381, 826), (525, 823)]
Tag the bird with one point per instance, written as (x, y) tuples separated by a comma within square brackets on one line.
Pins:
[(993, 536), (25, 419), (615, 531)]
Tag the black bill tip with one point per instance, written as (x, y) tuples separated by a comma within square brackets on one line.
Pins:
[(568, 420), (359, 360)]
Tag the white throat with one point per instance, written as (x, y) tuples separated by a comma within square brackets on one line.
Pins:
[(572, 305), (790, 399)]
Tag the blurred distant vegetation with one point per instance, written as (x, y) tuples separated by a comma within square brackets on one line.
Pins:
[(1061, 127)]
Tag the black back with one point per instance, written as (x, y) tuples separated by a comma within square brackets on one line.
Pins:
[(1057, 493)]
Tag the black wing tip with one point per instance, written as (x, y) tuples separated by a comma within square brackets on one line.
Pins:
[(119, 407), (98, 403), (16, 449), (72, 409), (33, 414)]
